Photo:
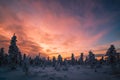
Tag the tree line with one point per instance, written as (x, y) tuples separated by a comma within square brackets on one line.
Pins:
[(15, 59)]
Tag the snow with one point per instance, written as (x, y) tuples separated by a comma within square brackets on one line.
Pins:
[(49, 73)]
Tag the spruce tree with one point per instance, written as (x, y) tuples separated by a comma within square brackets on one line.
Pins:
[(13, 52), (53, 61), (1, 56), (91, 59), (60, 59), (111, 53), (26, 65), (86, 60), (81, 59), (72, 59), (65, 67), (37, 60)]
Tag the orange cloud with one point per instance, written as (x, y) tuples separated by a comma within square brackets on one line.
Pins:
[(50, 29)]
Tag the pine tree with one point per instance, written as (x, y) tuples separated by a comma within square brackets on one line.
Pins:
[(91, 59), (37, 60), (86, 60), (53, 61), (19, 58), (44, 63), (59, 59), (48, 61), (81, 59), (24, 56), (31, 61), (65, 68), (1, 56), (26, 65), (111, 53), (72, 59), (13, 52), (6, 59)]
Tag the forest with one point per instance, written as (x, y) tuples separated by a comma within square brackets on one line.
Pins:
[(15, 60)]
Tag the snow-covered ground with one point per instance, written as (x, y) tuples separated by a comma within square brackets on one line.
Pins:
[(49, 73)]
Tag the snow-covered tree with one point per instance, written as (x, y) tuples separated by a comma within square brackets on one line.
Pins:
[(1, 56), (118, 57), (26, 65), (37, 60), (44, 63), (111, 53), (86, 60), (81, 59), (48, 61), (24, 56), (13, 52), (73, 59), (31, 61), (19, 58), (91, 59), (65, 67), (5, 60), (53, 61), (59, 60)]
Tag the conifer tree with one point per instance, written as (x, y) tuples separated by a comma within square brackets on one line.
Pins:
[(111, 53), (86, 60), (91, 59), (81, 59), (13, 52), (65, 68), (59, 59), (53, 61), (26, 65), (37, 60), (1, 56), (72, 59), (19, 58)]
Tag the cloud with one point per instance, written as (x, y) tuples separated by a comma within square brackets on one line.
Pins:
[(54, 26)]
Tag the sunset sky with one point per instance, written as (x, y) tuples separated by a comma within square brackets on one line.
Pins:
[(54, 27)]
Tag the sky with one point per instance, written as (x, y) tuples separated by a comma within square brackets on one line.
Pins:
[(52, 27)]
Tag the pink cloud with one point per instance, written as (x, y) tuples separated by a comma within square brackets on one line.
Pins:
[(46, 31)]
